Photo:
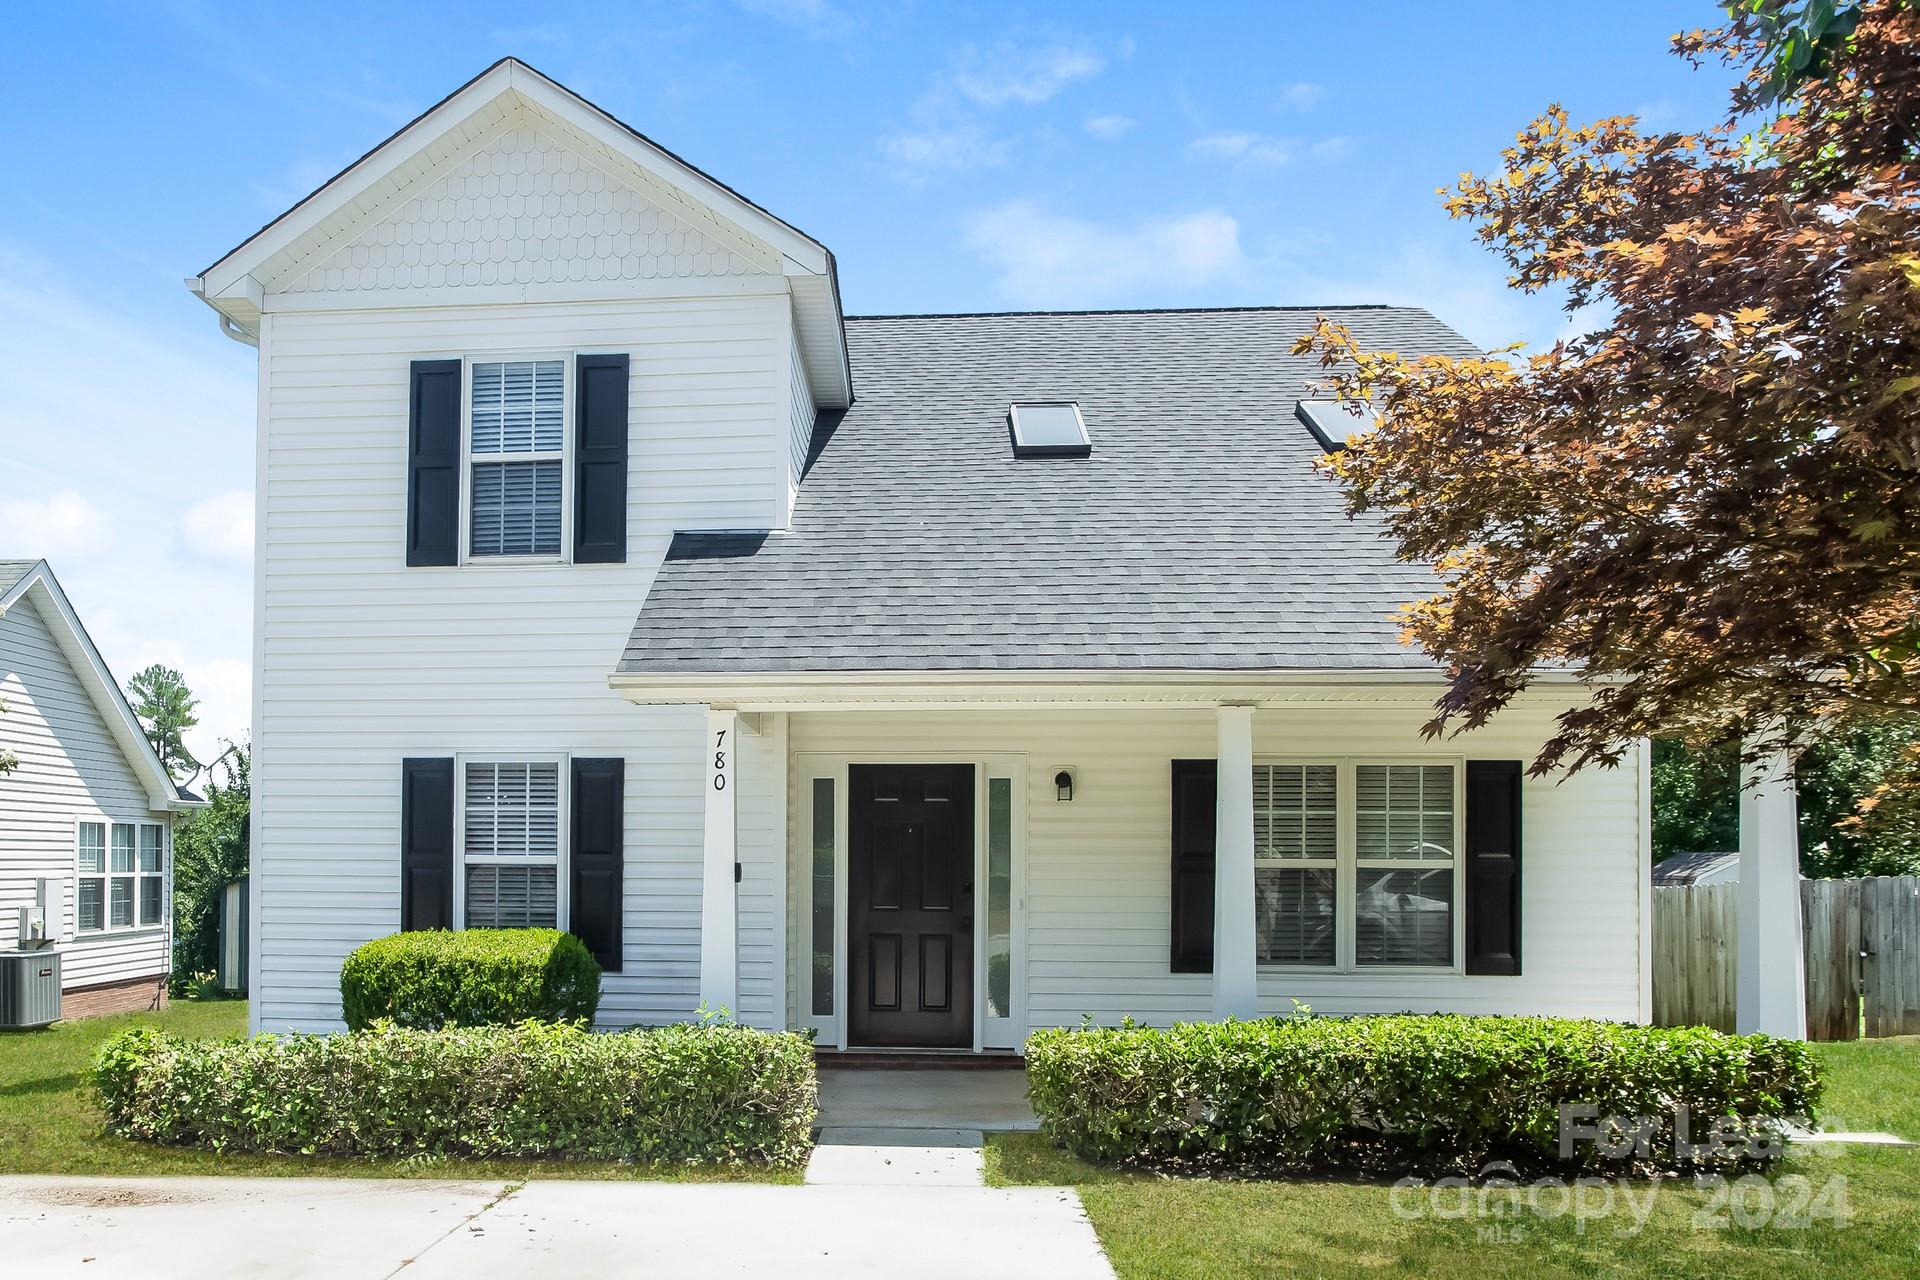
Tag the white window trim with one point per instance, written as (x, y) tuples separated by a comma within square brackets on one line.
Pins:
[(563, 858), (1349, 865), (567, 369), (107, 875)]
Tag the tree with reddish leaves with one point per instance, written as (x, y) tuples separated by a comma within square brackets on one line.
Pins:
[(1710, 504)]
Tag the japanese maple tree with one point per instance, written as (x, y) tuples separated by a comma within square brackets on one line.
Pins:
[(1710, 504)]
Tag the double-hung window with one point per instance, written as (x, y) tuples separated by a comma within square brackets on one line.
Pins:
[(1405, 847), (512, 843), (121, 876), (1296, 862), (1356, 863), (516, 458)]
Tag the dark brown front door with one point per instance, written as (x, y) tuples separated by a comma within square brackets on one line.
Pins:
[(910, 904)]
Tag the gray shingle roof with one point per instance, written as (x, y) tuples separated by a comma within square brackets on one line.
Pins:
[(1196, 536), (11, 571)]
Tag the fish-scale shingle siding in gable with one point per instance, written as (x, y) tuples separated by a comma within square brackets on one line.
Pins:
[(522, 209)]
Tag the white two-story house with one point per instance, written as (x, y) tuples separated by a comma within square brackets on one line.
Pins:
[(916, 680)]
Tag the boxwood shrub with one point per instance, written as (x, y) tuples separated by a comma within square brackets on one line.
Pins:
[(711, 1092), (1407, 1092), (470, 978)]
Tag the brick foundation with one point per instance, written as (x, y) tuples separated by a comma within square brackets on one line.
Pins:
[(128, 995)]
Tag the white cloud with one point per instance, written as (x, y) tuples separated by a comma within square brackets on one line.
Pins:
[(1337, 147), (1254, 150), (62, 524), (950, 148), (1010, 73), (221, 527), (817, 18), (223, 687), (1049, 259), (1109, 126), (1302, 96), (1464, 288), (175, 422), (946, 133)]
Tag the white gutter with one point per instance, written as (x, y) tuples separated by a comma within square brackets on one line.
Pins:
[(774, 690)]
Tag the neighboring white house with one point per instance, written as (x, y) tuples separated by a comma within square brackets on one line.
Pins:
[(86, 817), (920, 680)]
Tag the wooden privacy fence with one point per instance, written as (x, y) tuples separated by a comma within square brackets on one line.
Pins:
[(1862, 956)]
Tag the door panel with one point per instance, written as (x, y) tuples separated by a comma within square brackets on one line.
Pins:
[(910, 931)]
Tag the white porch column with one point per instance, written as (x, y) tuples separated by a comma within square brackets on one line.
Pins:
[(1772, 991), (719, 917), (1234, 966)]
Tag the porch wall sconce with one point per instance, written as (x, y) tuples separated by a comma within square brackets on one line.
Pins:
[(1063, 785)]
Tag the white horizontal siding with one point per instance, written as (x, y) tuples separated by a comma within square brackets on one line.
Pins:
[(1098, 877), (364, 661), (71, 768)]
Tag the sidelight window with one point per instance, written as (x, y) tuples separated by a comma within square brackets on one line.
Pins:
[(820, 899), (999, 938)]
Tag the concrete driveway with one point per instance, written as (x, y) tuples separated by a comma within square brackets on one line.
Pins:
[(292, 1228)]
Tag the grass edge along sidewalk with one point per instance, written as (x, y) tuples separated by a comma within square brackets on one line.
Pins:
[(1834, 1211), (50, 1121)]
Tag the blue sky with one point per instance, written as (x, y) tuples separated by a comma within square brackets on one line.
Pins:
[(954, 156)]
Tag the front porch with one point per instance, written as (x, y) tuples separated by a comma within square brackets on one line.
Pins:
[(1077, 897)]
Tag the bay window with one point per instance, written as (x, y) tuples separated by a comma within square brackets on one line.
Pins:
[(1356, 863)]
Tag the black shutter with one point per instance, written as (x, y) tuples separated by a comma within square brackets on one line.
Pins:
[(1195, 783), (1493, 866), (426, 844), (600, 461), (433, 463), (599, 851)]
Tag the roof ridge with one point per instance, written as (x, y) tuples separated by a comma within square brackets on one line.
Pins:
[(1136, 311)]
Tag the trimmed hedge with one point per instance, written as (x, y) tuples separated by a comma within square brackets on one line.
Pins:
[(709, 1092), (470, 978), (1407, 1091)]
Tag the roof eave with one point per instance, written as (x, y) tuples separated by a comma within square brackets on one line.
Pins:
[(163, 794), (765, 690)]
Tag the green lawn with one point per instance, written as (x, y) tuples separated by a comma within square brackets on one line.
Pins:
[(51, 1123), (1161, 1227)]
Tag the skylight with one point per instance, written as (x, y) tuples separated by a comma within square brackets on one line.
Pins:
[(1332, 422), (1049, 430)]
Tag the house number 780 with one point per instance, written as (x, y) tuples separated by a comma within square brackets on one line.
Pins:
[(720, 761)]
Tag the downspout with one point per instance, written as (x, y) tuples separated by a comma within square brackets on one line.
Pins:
[(234, 331), (198, 287)]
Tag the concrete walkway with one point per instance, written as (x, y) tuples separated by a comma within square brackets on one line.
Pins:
[(916, 1127), (295, 1228)]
